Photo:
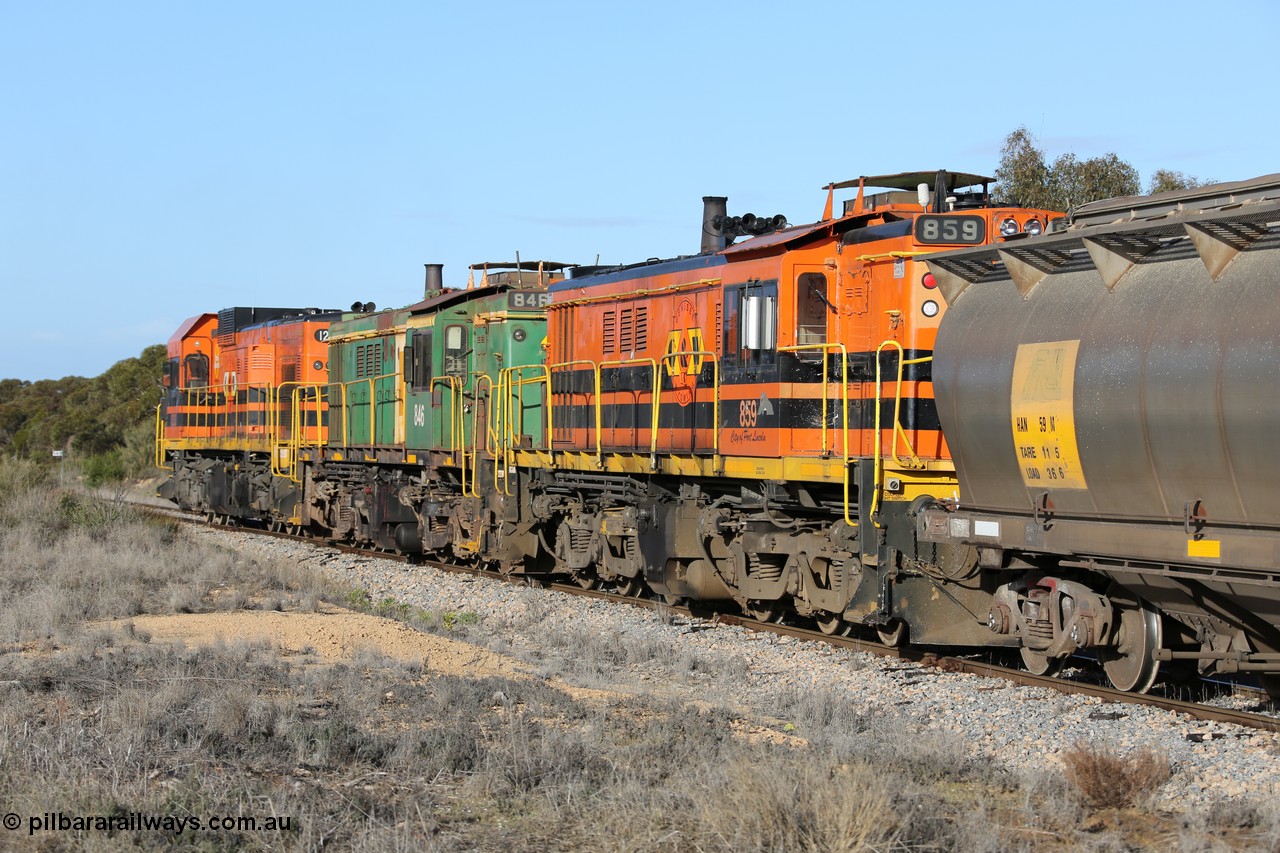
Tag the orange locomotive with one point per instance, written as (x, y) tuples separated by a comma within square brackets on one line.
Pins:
[(242, 393), (757, 421)]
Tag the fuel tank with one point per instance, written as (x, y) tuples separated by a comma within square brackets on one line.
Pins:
[(1123, 371)]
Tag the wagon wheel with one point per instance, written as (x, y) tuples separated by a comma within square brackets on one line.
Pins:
[(765, 611), (586, 578), (1039, 664), (1130, 666), (631, 587), (833, 625), (893, 634)]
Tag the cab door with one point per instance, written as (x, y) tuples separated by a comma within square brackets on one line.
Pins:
[(358, 392), (814, 316), (813, 368), (418, 370), (386, 392), (453, 354)]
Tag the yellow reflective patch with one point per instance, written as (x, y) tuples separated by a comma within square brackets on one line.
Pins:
[(1041, 401), (1209, 549)]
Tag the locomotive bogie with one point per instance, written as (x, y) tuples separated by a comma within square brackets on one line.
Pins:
[(360, 504)]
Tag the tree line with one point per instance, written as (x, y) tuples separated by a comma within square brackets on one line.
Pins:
[(1025, 177), (103, 425)]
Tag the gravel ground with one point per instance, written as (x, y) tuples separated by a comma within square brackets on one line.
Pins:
[(1023, 728)]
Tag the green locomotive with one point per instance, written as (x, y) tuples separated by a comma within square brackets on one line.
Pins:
[(420, 400)]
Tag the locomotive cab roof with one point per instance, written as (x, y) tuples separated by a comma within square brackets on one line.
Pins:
[(929, 192)]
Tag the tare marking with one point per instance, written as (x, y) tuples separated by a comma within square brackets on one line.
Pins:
[(1041, 401)]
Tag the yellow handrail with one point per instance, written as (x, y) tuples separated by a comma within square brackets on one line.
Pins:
[(514, 384), (342, 407), (456, 439), (296, 438), (274, 396), (511, 390), (347, 403), (844, 409), (824, 348), (550, 395), (891, 256), (490, 428), (517, 429), (653, 402), (497, 428), (158, 450), (897, 423), (715, 395), (490, 437)]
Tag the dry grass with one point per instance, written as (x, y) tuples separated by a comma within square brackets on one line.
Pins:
[(377, 755), (71, 558), (1106, 779)]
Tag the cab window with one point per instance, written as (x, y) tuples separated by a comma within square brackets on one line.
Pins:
[(812, 308), (420, 373), (195, 369), (455, 350)]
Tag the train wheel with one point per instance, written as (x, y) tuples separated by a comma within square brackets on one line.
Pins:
[(586, 578), (765, 611), (833, 625), (631, 587), (675, 600), (1038, 664), (1130, 666), (894, 634)]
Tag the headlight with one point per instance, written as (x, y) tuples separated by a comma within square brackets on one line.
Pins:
[(1008, 227), (930, 308), (1033, 227)]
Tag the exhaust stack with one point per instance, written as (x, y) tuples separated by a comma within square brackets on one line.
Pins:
[(715, 209), (435, 280)]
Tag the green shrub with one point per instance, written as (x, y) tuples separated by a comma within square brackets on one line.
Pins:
[(104, 468)]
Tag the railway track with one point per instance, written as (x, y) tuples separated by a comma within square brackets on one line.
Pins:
[(922, 657)]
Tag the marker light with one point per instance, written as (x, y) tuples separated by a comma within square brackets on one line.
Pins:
[(1008, 227), (930, 308), (929, 281)]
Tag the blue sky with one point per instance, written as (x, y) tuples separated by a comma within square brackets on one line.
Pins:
[(158, 160)]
